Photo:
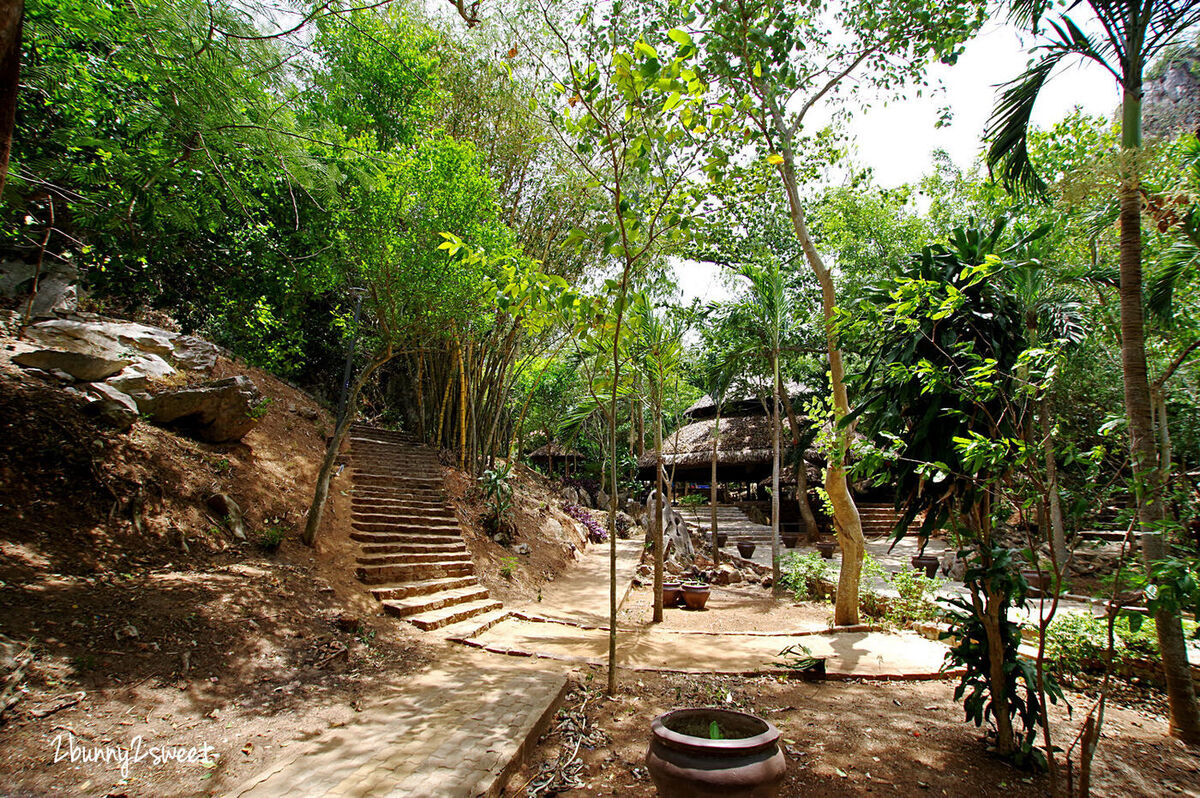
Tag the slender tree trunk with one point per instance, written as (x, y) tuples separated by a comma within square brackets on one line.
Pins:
[(658, 515), (1058, 530), (420, 395), (837, 486), (321, 491), (462, 408), (12, 20), (1148, 478), (712, 495), (811, 532), (776, 582), (612, 515)]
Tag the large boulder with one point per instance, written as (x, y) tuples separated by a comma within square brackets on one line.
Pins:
[(193, 354), (155, 352), (216, 412), (86, 367), (116, 409)]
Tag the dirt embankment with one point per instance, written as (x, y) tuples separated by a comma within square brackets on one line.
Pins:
[(144, 615), (552, 537)]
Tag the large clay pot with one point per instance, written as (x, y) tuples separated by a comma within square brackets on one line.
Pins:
[(672, 593), (826, 547), (790, 539), (927, 563), (695, 596), (722, 539), (685, 763), (745, 548)]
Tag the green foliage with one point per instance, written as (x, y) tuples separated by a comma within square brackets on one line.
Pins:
[(804, 575), (1077, 641), (693, 500), (915, 603), (260, 410), (271, 538), (971, 633), (498, 492), (1175, 586), (508, 567)]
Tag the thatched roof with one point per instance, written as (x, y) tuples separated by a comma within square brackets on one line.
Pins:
[(554, 450), (749, 402), (743, 452)]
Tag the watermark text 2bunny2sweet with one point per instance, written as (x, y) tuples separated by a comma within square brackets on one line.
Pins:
[(66, 748)]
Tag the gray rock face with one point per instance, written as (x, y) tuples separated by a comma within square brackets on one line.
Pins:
[(215, 412), (229, 511), (112, 407), (194, 354), (570, 495), (81, 366)]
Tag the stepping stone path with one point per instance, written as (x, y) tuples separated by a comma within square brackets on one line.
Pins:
[(413, 559)]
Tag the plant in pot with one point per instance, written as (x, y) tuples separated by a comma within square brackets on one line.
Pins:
[(746, 548), (826, 546), (695, 595), (925, 562), (672, 593), (710, 752)]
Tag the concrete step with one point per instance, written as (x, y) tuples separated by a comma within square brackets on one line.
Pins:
[(403, 515), (412, 572), (475, 625), (403, 538), (398, 480), (395, 493), (368, 560), (424, 528), (448, 547), (436, 619), (413, 605), (401, 590), (400, 507)]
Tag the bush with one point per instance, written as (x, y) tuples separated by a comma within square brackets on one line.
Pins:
[(914, 603), (595, 532), (803, 574), (693, 500), (1073, 638), (271, 538)]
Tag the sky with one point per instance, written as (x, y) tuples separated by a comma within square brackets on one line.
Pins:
[(897, 140)]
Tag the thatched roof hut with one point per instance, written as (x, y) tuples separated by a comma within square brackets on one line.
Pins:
[(743, 452), (751, 402), (553, 455)]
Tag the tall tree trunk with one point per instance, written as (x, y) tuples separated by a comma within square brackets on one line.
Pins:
[(420, 395), (12, 21), (776, 582), (321, 492), (811, 532), (837, 486), (1058, 530), (658, 515), (712, 493), (1148, 477)]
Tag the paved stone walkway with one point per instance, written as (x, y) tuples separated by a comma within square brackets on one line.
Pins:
[(570, 624), (455, 731)]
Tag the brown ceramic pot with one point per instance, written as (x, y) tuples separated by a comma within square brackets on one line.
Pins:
[(722, 539), (746, 549), (672, 593), (1039, 581), (927, 563), (790, 540), (826, 547), (747, 763), (695, 596)]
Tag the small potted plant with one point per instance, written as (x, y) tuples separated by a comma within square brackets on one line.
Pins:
[(695, 595), (925, 562), (746, 548), (826, 546), (699, 752), (672, 593)]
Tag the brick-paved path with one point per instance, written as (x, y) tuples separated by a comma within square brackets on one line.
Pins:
[(457, 730)]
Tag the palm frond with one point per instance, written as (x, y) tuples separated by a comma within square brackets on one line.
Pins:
[(1008, 129), (1179, 259)]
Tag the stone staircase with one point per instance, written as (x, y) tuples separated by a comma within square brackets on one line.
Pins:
[(879, 519), (414, 560)]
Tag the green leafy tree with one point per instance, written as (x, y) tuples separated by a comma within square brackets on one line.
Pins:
[(778, 62), (1130, 35)]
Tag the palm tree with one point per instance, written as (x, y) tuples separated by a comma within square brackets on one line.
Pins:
[(1131, 33)]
